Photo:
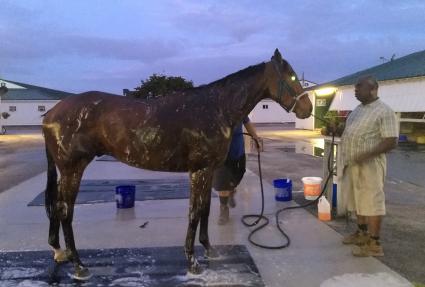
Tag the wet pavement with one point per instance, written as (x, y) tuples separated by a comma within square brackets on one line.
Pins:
[(22, 156), (407, 164), (295, 154), (155, 266), (316, 256), (322, 254)]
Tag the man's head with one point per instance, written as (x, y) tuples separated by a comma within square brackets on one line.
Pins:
[(366, 89)]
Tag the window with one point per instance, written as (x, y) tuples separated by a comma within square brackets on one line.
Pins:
[(41, 108), (12, 108), (265, 107)]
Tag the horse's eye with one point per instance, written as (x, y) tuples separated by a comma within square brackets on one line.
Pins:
[(293, 78)]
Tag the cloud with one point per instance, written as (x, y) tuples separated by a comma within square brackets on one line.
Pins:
[(218, 20), (34, 44), (79, 46), (147, 50)]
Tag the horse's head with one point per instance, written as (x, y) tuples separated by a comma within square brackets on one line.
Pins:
[(285, 88)]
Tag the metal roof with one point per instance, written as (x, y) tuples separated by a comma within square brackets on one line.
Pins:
[(410, 66), (31, 92)]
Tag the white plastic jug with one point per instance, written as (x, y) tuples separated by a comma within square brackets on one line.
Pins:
[(324, 209)]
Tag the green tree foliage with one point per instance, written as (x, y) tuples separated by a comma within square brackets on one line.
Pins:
[(160, 85)]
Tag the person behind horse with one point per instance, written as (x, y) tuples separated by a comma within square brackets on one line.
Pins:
[(227, 177), (371, 131)]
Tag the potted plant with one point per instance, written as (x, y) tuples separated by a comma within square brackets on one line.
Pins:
[(334, 122)]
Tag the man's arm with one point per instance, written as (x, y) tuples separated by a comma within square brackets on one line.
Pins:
[(251, 130), (385, 146)]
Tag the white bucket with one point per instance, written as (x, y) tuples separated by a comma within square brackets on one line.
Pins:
[(312, 187)]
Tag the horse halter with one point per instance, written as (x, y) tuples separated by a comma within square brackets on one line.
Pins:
[(283, 85)]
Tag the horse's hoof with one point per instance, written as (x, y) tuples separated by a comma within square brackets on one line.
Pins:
[(60, 256), (81, 274), (195, 269), (211, 253)]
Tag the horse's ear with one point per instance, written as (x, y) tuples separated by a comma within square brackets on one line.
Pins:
[(277, 56)]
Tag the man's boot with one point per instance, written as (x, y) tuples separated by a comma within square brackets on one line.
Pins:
[(357, 238)]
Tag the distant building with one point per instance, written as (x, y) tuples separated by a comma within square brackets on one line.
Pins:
[(268, 111), (128, 93), (401, 86), (26, 103)]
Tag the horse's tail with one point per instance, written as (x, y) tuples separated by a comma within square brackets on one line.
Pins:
[(51, 192)]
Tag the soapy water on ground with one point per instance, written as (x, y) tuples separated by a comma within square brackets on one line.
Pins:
[(162, 266), (381, 279)]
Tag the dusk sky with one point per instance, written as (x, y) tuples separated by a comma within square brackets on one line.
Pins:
[(108, 45)]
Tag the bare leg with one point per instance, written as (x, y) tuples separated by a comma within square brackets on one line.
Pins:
[(224, 208), (374, 223), (232, 201), (362, 224), (361, 219)]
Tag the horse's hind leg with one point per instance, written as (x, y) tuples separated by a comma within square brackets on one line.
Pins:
[(200, 190), (68, 188), (60, 255), (51, 195)]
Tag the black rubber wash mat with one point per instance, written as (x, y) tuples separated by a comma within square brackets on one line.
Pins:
[(100, 191), (157, 266)]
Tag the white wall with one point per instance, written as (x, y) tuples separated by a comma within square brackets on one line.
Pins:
[(10, 85), (274, 113), (307, 124), (26, 112), (407, 95)]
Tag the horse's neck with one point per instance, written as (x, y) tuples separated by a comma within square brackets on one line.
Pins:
[(238, 102)]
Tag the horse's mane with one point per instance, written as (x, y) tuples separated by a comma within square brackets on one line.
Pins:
[(244, 73)]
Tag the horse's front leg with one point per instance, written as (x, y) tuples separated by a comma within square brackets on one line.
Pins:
[(200, 190)]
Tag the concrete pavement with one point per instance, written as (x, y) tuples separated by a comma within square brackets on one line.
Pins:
[(315, 258)]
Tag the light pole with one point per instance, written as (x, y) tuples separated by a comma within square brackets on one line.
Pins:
[(3, 90)]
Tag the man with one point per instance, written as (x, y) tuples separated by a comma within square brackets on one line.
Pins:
[(371, 131), (228, 176)]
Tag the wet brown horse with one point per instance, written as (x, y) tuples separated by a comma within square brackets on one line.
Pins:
[(188, 131)]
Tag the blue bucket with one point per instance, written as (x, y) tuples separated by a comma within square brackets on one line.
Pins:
[(402, 138), (125, 196), (283, 189)]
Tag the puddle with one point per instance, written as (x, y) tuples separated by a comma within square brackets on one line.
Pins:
[(314, 147), (406, 163)]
